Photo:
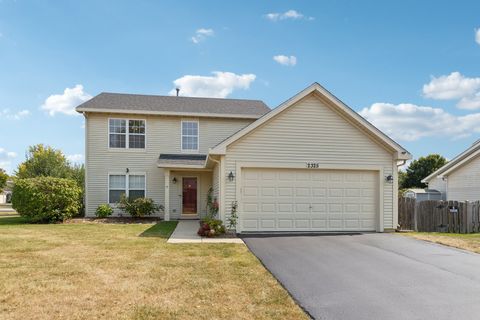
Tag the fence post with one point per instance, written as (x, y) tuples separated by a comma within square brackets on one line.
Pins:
[(467, 216), (415, 216)]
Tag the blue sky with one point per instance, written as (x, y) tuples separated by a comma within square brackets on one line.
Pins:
[(410, 67)]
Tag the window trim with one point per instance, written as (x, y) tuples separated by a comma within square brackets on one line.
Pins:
[(127, 140), (127, 189), (181, 136)]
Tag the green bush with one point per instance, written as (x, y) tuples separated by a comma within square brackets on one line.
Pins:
[(103, 211), (139, 207), (46, 199)]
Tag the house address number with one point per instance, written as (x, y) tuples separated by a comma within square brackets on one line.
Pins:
[(313, 165)]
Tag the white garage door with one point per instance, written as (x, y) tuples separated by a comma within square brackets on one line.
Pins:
[(315, 200)]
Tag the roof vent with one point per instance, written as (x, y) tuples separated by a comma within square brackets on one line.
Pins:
[(178, 91)]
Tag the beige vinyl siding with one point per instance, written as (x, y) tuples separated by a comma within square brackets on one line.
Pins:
[(163, 135), (463, 183), (439, 185), (216, 181), (310, 131)]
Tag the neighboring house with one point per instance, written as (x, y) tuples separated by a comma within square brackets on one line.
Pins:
[(6, 195), (459, 179), (423, 194), (312, 163)]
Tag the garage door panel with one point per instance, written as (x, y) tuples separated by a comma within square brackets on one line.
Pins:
[(295, 199), (268, 191), (285, 224), (250, 207), (267, 223)]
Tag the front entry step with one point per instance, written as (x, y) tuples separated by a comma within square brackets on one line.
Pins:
[(189, 217)]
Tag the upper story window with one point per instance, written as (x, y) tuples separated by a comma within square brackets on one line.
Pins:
[(189, 135), (125, 133)]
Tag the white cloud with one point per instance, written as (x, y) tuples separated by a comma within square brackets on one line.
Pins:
[(6, 158), (453, 86), (220, 85), (477, 35), (285, 60), (201, 35), (75, 158), (9, 115), (470, 103), (290, 15), (410, 122), (65, 103)]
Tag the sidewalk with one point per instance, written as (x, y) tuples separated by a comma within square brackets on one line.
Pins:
[(186, 232)]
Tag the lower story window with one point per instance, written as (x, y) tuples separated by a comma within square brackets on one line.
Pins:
[(131, 185)]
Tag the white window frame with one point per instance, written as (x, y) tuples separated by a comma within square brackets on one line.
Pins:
[(127, 189), (127, 134), (182, 135)]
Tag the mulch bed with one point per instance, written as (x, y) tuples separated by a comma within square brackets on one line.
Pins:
[(118, 220)]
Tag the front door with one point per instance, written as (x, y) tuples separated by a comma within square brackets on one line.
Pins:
[(189, 196)]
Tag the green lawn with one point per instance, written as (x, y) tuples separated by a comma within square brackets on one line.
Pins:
[(107, 271), (469, 242)]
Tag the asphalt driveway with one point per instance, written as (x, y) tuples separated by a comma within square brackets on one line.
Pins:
[(373, 276)]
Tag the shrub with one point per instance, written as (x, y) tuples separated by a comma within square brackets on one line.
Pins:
[(139, 207), (46, 199), (211, 228), (103, 211)]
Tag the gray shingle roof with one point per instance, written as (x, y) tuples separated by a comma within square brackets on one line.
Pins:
[(172, 160), (136, 103)]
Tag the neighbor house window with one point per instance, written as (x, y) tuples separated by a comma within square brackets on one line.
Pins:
[(189, 135), (131, 185), (125, 133)]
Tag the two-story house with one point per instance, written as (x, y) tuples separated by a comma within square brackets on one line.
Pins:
[(312, 163)]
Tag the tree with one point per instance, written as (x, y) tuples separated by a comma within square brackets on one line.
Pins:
[(420, 169), (402, 175), (3, 179), (44, 161)]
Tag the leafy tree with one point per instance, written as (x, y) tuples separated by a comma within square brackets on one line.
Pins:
[(402, 175), (3, 179), (43, 161), (420, 169)]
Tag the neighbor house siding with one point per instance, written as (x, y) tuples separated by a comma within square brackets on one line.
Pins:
[(310, 131), (463, 183), (438, 184), (162, 136)]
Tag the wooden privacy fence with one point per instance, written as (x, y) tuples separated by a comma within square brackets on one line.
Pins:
[(439, 216)]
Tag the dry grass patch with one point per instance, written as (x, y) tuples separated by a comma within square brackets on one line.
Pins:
[(106, 271), (470, 242)]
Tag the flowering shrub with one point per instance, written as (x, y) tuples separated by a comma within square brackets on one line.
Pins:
[(211, 228)]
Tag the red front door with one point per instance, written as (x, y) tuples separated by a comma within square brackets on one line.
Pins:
[(189, 195)]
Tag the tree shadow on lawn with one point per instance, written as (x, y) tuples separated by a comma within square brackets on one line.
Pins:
[(162, 229), (5, 220)]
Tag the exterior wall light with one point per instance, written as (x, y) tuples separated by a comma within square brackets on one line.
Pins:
[(231, 176), (174, 180), (389, 178)]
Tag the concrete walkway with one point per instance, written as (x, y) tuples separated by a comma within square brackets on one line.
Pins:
[(186, 232)]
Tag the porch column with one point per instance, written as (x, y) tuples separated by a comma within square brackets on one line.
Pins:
[(167, 194)]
